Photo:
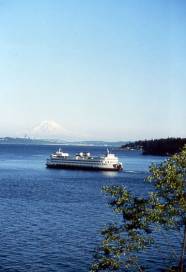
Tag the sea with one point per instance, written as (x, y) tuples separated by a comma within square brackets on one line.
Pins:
[(51, 219)]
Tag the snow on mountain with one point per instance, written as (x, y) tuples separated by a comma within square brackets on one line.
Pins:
[(50, 129)]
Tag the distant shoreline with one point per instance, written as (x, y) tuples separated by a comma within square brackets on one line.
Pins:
[(157, 147), (29, 141)]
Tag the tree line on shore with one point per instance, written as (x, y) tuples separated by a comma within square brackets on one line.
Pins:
[(160, 147)]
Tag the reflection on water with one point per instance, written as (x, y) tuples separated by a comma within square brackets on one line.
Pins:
[(110, 174)]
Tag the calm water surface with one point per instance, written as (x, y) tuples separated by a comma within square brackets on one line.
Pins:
[(51, 219)]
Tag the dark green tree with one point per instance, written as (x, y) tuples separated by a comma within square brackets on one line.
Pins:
[(163, 208)]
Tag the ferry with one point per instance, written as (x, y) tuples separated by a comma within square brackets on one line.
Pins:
[(84, 160)]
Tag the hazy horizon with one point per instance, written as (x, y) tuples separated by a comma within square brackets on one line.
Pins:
[(103, 70)]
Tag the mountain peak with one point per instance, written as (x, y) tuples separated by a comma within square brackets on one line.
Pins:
[(49, 129)]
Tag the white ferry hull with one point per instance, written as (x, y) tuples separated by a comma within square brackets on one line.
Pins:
[(60, 165)]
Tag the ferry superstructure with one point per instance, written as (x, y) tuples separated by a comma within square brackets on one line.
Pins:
[(84, 160)]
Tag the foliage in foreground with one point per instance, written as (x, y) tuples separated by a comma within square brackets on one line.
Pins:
[(165, 208)]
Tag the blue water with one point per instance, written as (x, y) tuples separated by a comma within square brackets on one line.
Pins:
[(51, 219)]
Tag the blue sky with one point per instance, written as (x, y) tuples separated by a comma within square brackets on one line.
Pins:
[(103, 69)]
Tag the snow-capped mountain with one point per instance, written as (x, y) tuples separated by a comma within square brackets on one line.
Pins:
[(48, 130)]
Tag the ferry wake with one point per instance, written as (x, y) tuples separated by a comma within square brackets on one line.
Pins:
[(84, 160)]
